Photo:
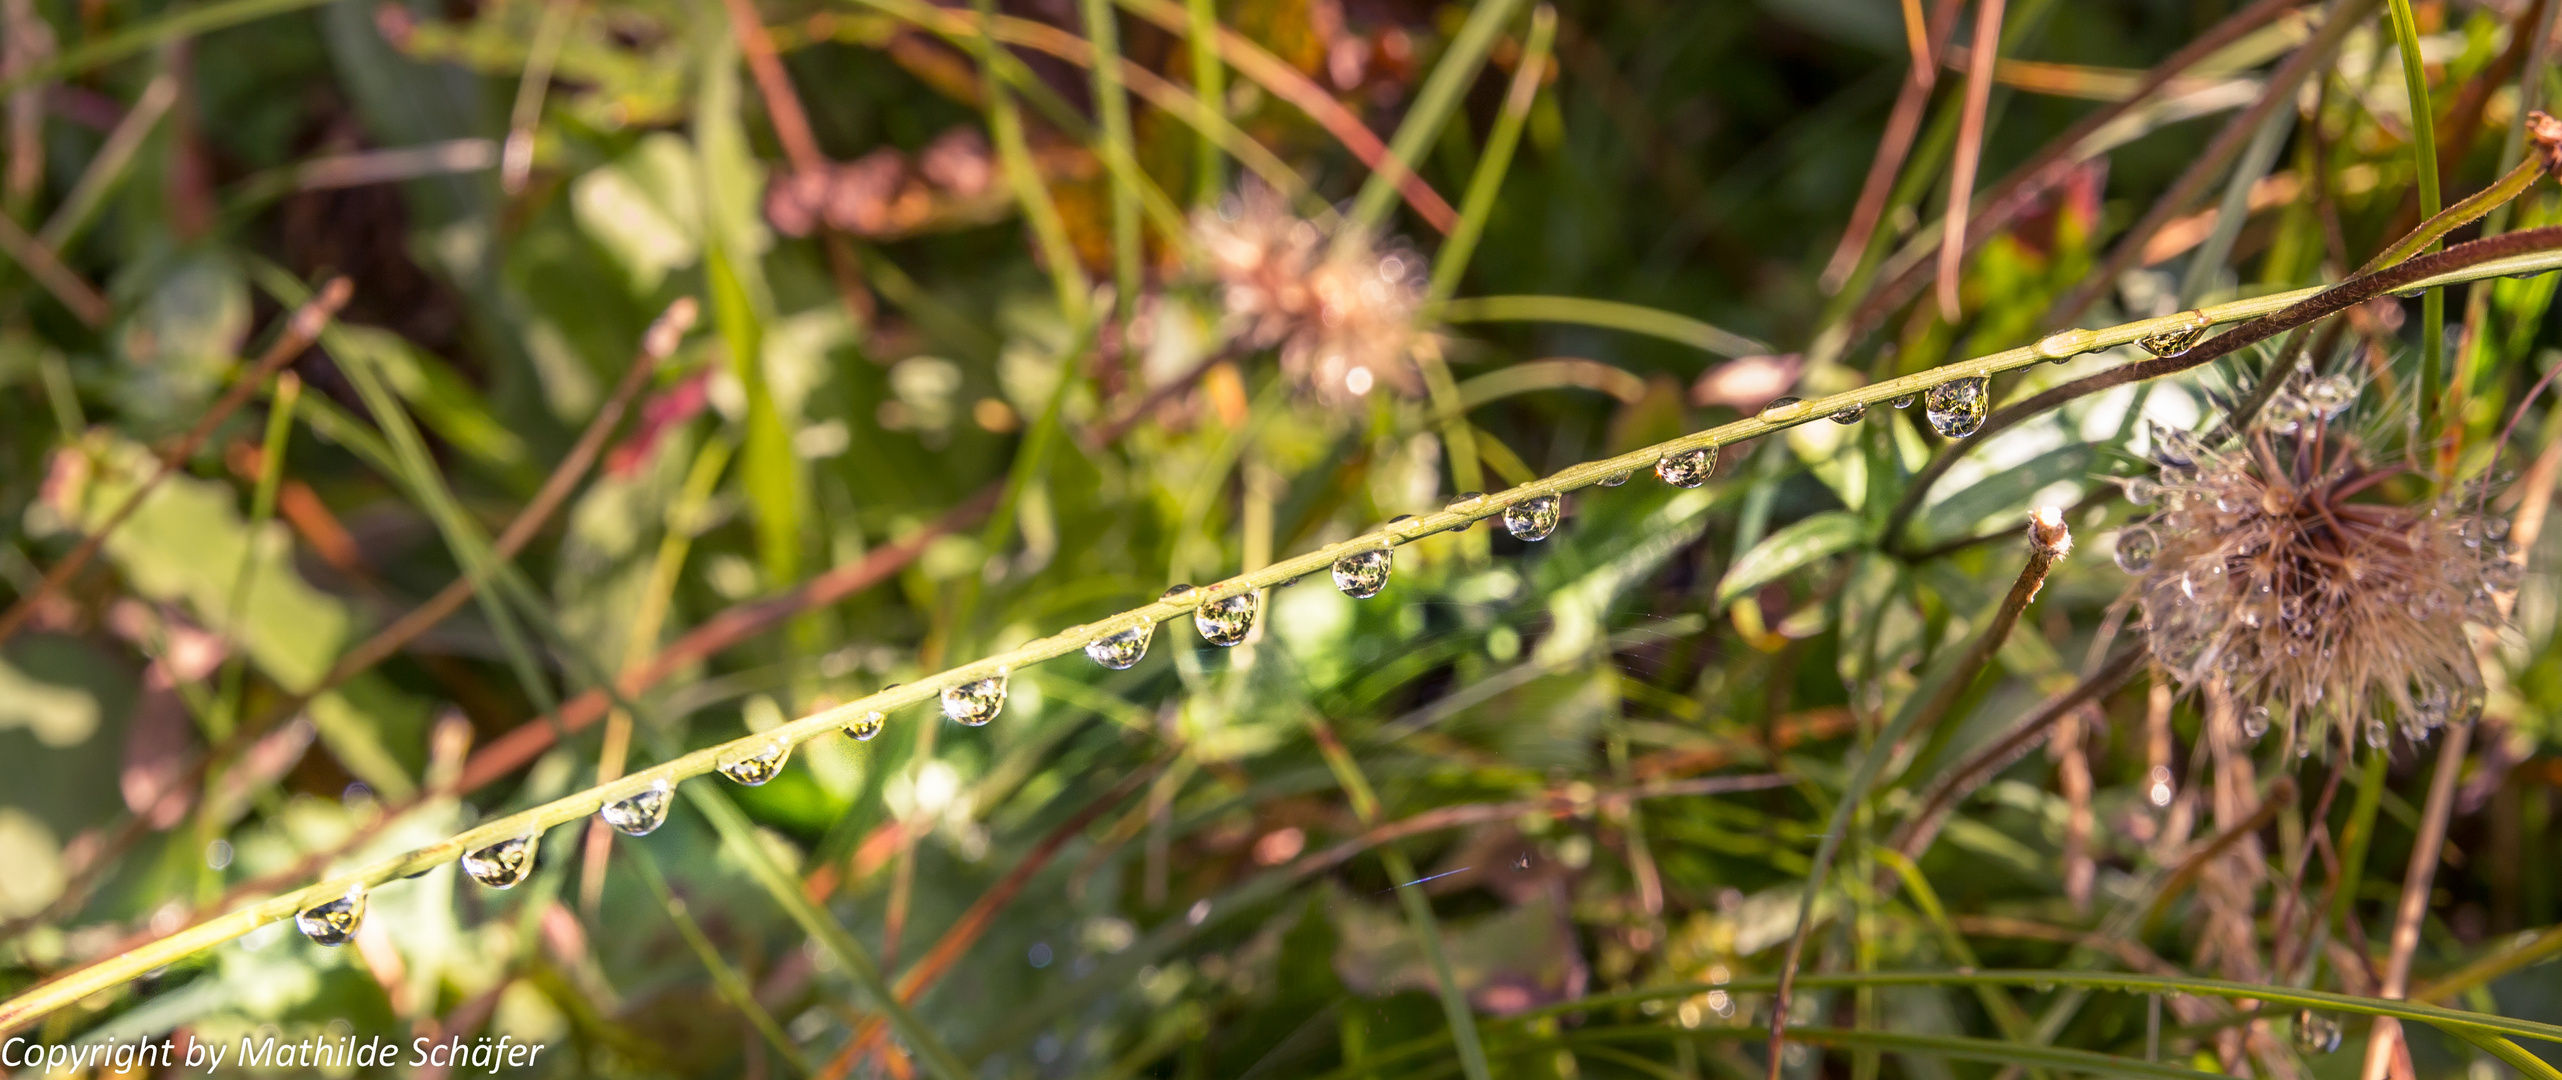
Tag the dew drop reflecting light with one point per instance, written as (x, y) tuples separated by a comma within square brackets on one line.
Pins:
[(973, 704), (1120, 650), (757, 768), (1225, 621), (1532, 518), (1687, 468), (1956, 409), (333, 923), (503, 865), (1362, 574), (866, 727), (640, 813)]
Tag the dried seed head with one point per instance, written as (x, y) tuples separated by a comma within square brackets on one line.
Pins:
[(2277, 569), (1342, 316)]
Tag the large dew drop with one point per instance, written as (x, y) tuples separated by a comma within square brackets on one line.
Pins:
[(2329, 395), (333, 923), (1532, 518), (1363, 573), (2136, 547), (974, 704), (1956, 408), (866, 727), (503, 865), (1613, 480), (1850, 414), (759, 767), (2171, 342), (1119, 651), (2255, 721), (640, 813), (1225, 621), (1687, 468)]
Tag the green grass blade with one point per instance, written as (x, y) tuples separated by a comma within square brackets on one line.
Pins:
[(740, 836), (1102, 28), (1432, 108), (2415, 80), (1609, 314), (725, 979), (1209, 87), (1478, 204), (184, 23)]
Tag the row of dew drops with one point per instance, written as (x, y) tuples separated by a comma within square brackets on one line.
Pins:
[(1955, 409)]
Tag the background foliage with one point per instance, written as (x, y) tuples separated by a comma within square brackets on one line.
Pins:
[(1605, 760)]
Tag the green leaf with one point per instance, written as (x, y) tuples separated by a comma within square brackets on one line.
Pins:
[(1788, 550), (1634, 318)]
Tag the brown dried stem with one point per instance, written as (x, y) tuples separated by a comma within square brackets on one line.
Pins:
[(1970, 152), (1902, 125)]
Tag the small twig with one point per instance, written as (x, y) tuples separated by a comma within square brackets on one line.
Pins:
[(1970, 151), (2417, 880), (2049, 540), (300, 329), (974, 922), (1956, 783), (1902, 125), (2210, 162), (2026, 187), (66, 284)]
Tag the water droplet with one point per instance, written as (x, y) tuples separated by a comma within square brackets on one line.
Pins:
[(2143, 492), (2255, 721), (1224, 622), (1120, 650), (1687, 468), (2316, 1033), (973, 704), (2171, 342), (2327, 396), (1178, 592), (503, 865), (2175, 449), (2495, 528), (1532, 518), (1467, 502), (641, 813), (2136, 547), (2377, 735), (334, 922), (759, 767), (866, 727), (2158, 790), (1363, 573), (1613, 480), (1956, 409), (1850, 414), (1779, 407), (1904, 402), (1399, 522)]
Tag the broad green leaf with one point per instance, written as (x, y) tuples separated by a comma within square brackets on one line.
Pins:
[(1788, 550)]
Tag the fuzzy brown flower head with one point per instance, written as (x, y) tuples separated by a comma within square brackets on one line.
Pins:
[(1342, 315), (2273, 567)]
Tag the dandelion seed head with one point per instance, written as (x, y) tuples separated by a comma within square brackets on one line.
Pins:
[(1342, 316), (2283, 572)]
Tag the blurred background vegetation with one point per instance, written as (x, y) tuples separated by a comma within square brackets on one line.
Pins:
[(978, 358)]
